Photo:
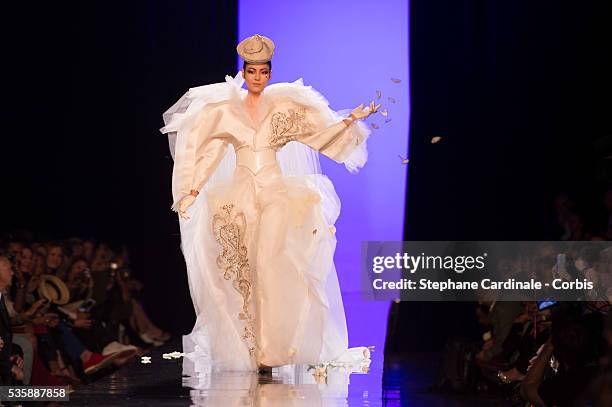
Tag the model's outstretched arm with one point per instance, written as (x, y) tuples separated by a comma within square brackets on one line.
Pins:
[(340, 139)]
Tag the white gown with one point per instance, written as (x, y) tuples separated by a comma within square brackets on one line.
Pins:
[(260, 240)]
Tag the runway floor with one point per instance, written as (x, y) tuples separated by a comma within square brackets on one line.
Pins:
[(160, 383)]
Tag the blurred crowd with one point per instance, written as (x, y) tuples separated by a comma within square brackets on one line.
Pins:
[(541, 353), (552, 353), (69, 310)]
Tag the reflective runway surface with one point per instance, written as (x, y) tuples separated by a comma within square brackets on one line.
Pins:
[(160, 384)]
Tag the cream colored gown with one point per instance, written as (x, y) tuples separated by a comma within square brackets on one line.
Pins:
[(260, 240)]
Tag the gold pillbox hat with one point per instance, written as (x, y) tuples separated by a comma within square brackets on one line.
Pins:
[(256, 49)]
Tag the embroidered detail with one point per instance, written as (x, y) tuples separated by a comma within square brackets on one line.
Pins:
[(228, 229), (287, 126)]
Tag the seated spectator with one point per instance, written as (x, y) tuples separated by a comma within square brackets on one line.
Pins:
[(55, 260), (575, 346), (79, 280), (6, 332), (52, 343), (139, 323), (501, 318), (529, 332), (59, 347)]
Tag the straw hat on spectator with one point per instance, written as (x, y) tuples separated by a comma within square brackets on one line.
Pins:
[(53, 289)]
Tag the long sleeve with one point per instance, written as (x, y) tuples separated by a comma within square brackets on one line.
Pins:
[(197, 155), (337, 141), (209, 156), (194, 131)]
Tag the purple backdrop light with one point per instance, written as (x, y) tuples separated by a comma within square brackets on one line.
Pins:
[(347, 50)]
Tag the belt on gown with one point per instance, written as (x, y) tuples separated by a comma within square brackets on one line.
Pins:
[(255, 159)]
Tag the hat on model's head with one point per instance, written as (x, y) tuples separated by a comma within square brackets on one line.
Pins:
[(256, 49)]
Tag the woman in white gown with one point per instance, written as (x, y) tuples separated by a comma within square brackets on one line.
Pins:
[(257, 218)]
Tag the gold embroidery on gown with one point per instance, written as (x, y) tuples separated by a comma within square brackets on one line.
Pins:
[(228, 229), (287, 126)]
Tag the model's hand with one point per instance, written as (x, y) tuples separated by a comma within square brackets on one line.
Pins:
[(360, 113), (183, 204)]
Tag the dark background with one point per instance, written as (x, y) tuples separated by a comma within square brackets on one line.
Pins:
[(86, 88), (518, 91)]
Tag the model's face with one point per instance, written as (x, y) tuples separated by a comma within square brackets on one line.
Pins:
[(256, 77)]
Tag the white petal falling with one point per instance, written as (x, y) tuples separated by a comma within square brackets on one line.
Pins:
[(173, 355), (435, 139), (395, 80)]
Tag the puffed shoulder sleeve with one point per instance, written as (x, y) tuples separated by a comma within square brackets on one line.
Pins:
[(195, 132), (307, 118), (341, 142)]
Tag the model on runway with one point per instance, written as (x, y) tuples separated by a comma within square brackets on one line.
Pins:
[(257, 218)]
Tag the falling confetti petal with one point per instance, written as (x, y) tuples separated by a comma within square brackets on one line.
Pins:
[(378, 94), (145, 359), (392, 100), (375, 126), (384, 112), (404, 160), (435, 139), (173, 355), (388, 120), (314, 231), (395, 80)]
